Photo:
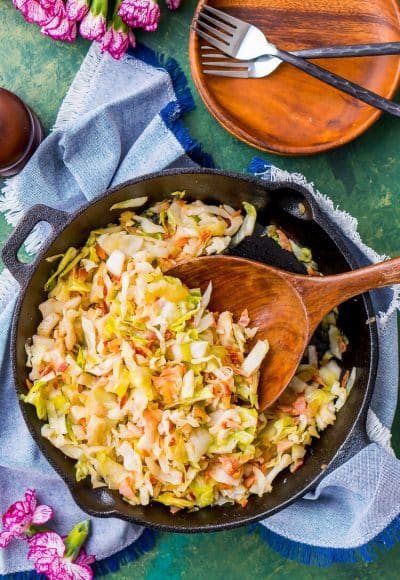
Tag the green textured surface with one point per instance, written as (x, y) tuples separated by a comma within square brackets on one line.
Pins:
[(362, 178)]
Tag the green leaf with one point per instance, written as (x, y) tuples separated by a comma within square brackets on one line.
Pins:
[(68, 256), (35, 398), (171, 500), (80, 359), (128, 203)]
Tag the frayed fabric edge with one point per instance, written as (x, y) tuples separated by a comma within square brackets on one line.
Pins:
[(322, 557), (170, 116), (8, 288), (9, 204), (75, 100), (378, 432), (143, 544)]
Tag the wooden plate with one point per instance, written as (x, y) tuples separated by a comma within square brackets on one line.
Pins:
[(289, 112)]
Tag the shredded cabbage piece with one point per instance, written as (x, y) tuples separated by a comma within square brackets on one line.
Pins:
[(129, 203), (149, 391)]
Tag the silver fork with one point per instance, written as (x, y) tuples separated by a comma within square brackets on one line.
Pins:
[(244, 41)]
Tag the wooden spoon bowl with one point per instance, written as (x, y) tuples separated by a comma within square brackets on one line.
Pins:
[(285, 307)]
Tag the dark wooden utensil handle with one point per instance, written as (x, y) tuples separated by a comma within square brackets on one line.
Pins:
[(338, 51), (340, 83)]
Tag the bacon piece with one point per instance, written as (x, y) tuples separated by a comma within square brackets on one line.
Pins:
[(248, 482), (100, 252), (45, 370), (295, 466), (345, 378), (62, 367), (283, 445), (300, 405), (284, 240)]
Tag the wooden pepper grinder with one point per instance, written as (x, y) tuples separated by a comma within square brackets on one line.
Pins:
[(20, 133)]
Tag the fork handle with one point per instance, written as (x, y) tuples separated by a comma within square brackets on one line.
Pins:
[(373, 49), (357, 91)]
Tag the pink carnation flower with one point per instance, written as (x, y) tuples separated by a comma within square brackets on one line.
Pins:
[(118, 36), (77, 9), (58, 25), (173, 4), (60, 28), (47, 552), (20, 516), (116, 42), (93, 27), (140, 14), (94, 24), (52, 7), (32, 11)]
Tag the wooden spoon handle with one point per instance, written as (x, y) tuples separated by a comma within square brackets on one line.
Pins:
[(321, 294)]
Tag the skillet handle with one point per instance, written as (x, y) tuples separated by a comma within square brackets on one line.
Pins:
[(37, 213)]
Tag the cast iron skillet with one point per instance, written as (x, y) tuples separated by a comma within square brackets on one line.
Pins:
[(277, 202)]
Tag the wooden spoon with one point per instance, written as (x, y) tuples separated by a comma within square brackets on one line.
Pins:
[(285, 307)]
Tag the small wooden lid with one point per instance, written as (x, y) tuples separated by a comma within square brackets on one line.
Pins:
[(15, 128)]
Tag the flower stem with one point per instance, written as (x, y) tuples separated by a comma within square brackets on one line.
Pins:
[(99, 7), (117, 22), (75, 539), (116, 7), (33, 530)]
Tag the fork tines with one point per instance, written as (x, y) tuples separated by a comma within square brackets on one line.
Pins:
[(234, 22), (217, 29), (238, 74), (217, 43), (219, 23), (209, 52), (224, 68), (226, 64), (217, 38), (230, 67)]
